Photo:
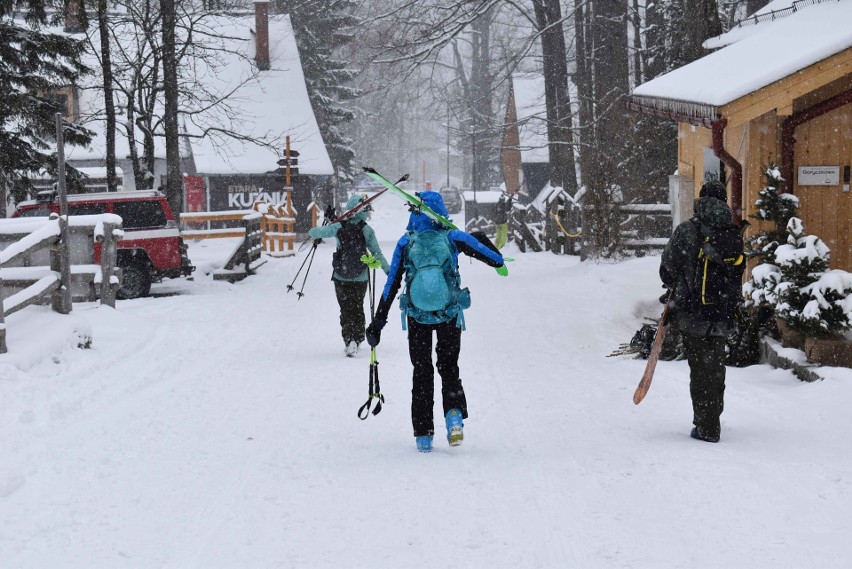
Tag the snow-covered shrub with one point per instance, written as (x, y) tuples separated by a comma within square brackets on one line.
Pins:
[(802, 260), (775, 206), (829, 309), (759, 290)]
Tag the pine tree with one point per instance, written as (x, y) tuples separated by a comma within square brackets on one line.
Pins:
[(34, 64), (322, 29), (802, 260), (774, 206)]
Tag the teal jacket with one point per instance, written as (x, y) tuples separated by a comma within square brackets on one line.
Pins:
[(327, 231)]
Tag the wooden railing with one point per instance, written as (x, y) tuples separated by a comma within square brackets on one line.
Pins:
[(31, 263), (276, 225)]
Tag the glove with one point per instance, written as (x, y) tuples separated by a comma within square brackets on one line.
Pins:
[(374, 332)]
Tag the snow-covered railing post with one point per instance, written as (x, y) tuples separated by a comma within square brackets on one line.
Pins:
[(62, 296), (109, 283)]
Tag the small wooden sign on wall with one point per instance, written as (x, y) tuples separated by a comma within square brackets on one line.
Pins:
[(819, 175)]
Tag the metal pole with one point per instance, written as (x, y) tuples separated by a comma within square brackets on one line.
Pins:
[(473, 171), (448, 144), (63, 306)]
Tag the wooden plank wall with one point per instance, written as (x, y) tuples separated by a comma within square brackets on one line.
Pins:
[(827, 210)]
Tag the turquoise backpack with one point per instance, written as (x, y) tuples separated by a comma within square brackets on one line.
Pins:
[(432, 282)]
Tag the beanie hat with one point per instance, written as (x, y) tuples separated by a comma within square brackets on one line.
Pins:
[(713, 189)]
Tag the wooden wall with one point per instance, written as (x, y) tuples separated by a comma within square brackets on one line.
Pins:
[(825, 141), (827, 210)]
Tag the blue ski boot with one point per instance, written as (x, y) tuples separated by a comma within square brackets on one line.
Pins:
[(454, 427), (424, 443)]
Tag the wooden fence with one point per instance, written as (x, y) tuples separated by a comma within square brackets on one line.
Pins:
[(37, 266), (277, 225)]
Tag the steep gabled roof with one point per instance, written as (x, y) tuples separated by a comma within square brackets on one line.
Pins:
[(772, 51), (273, 104), (267, 104)]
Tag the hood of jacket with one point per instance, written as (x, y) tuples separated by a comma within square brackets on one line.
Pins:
[(421, 222), (362, 214), (713, 212)]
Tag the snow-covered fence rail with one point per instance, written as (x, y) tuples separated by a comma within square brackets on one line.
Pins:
[(31, 259), (277, 225)]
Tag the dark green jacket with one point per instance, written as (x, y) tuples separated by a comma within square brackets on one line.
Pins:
[(680, 259)]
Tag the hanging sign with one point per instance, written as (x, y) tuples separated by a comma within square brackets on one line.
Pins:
[(819, 175)]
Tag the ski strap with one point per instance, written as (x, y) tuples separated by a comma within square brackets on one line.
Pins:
[(375, 390)]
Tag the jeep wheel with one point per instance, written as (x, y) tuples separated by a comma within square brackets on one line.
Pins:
[(135, 282)]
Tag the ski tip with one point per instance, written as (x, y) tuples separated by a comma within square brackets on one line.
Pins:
[(370, 170), (502, 270), (404, 178)]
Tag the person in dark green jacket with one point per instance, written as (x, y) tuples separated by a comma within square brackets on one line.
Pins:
[(354, 238), (704, 338)]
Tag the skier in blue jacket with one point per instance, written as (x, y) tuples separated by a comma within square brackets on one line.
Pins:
[(424, 242), (354, 239)]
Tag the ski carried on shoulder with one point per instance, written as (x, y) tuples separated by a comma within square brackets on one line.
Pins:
[(364, 203), (645, 383), (415, 204)]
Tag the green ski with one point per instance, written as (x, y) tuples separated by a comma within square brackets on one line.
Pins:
[(415, 204)]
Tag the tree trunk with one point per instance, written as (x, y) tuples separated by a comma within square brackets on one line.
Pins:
[(585, 92), (562, 169), (109, 101), (174, 177)]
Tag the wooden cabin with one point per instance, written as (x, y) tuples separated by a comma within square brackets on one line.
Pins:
[(777, 90)]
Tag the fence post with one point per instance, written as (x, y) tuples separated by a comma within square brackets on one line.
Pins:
[(62, 297), (108, 259), (3, 348)]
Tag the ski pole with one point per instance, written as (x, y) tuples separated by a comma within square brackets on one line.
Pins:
[(310, 256), (373, 386)]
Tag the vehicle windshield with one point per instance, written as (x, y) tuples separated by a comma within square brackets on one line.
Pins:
[(40, 211)]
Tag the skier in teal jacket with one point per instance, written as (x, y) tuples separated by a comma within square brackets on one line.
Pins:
[(354, 238)]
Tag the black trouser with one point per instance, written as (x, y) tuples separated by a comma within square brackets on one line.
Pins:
[(350, 297), (423, 385), (706, 357)]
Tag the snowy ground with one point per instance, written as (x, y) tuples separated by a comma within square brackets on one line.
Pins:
[(216, 428)]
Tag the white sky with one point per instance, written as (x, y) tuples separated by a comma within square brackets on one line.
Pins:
[(216, 428)]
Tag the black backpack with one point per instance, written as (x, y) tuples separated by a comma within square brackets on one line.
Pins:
[(352, 246), (716, 284)]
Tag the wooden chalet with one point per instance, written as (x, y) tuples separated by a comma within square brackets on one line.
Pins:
[(778, 90)]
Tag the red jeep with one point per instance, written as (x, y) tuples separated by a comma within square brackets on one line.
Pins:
[(152, 248)]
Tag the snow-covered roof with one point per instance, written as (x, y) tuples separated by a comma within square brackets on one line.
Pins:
[(274, 104), (532, 116), (771, 51), (263, 104)]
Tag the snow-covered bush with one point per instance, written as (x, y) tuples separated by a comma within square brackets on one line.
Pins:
[(802, 260), (775, 206), (830, 306)]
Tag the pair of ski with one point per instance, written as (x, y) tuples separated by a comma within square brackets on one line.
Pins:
[(416, 205)]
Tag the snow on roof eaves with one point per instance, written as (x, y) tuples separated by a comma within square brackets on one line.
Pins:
[(775, 51)]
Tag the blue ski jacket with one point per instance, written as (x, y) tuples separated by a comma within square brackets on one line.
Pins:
[(461, 241)]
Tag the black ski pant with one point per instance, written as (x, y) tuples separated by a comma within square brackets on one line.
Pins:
[(423, 387), (350, 297), (706, 357)]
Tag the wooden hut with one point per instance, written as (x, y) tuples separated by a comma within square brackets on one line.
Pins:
[(777, 90)]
